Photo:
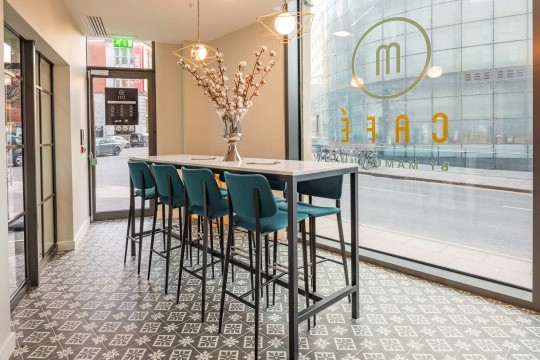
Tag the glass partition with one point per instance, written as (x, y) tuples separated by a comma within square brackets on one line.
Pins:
[(433, 100), (119, 53)]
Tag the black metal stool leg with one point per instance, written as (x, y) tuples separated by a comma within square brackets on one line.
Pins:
[(258, 258), (313, 252), (152, 238), (204, 265), (212, 248), (343, 251), (168, 249), (182, 252), (130, 213), (221, 241), (250, 245), (267, 263), (141, 230), (230, 237), (163, 226), (274, 269), (305, 261)]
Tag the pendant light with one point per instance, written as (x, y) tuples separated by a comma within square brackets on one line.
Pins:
[(284, 26), (197, 53)]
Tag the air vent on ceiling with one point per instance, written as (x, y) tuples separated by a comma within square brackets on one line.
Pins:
[(94, 26)]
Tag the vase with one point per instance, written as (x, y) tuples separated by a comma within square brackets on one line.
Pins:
[(232, 131)]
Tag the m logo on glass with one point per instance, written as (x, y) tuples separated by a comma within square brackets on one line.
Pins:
[(386, 55)]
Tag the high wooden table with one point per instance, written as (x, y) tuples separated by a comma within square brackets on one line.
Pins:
[(292, 172)]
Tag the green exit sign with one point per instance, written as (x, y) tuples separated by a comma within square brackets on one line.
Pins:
[(121, 42)]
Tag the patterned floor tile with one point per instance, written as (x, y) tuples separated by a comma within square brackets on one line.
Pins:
[(91, 306)]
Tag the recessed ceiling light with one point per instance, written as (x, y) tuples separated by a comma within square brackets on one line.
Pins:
[(342, 33)]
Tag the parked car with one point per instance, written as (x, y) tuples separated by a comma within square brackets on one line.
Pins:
[(16, 153), (123, 142), (107, 147), (138, 139)]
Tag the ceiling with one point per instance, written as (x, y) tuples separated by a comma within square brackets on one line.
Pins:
[(170, 21)]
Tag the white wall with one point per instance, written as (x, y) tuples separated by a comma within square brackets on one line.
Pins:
[(264, 125)]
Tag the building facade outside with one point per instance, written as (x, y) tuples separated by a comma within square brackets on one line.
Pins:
[(479, 76)]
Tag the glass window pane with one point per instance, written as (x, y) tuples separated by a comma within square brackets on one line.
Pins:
[(12, 52), (45, 75), (101, 52), (48, 225), (469, 118), (46, 118), (47, 170), (16, 251), (15, 183)]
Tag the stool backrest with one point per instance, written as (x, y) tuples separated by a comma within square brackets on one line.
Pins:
[(193, 180), (162, 174), (329, 187), (241, 190), (138, 170)]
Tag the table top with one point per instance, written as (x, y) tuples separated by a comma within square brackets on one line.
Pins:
[(264, 166)]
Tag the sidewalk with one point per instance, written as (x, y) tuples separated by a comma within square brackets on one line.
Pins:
[(507, 180), (491, 265)]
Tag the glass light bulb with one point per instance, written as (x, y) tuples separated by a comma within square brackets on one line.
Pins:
[(356, 81), (434, 72), (285, 23), (199, 52)]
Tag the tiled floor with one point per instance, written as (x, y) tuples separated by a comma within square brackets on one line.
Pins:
[(91, 306)]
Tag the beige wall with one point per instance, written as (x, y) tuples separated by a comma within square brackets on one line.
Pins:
[(169, 126), (50, 25), (264, 125)]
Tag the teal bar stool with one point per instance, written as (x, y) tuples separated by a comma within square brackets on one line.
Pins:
[(328, 188), (171, 193), (142, 185), (255, 209), (203, 199)]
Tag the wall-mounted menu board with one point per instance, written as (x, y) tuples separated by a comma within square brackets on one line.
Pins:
[(121, 106)]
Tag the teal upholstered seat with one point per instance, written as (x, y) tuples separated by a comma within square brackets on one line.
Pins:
[(142, 185), (268, 224), (171, 192), (256, 210), (148, 193), (204, 199), (167, 176), (312, 210), (193, 179), (223, 192), (140, 174), (328, 188)]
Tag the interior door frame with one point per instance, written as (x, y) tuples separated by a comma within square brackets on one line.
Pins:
[(114, 73)]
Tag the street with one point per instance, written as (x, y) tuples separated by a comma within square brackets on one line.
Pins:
[(493, 220), (112, 179)]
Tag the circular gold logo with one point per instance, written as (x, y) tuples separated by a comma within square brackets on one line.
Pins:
[(387, 49)]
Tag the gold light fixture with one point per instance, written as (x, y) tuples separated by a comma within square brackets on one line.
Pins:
[(197, 53), (284, 26)]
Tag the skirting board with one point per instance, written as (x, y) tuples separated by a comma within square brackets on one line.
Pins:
[(7, 347), (70, 245)]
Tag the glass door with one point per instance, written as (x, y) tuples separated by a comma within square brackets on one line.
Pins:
[(45, 163), (14, 159), (121, 123)]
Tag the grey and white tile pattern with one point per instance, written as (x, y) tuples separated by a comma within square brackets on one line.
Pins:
[(90, 306)]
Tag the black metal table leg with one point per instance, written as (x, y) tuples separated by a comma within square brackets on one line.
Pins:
[(355, 265), (292, 233)]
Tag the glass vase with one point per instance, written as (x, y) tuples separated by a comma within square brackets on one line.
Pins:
[(232, 131)]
